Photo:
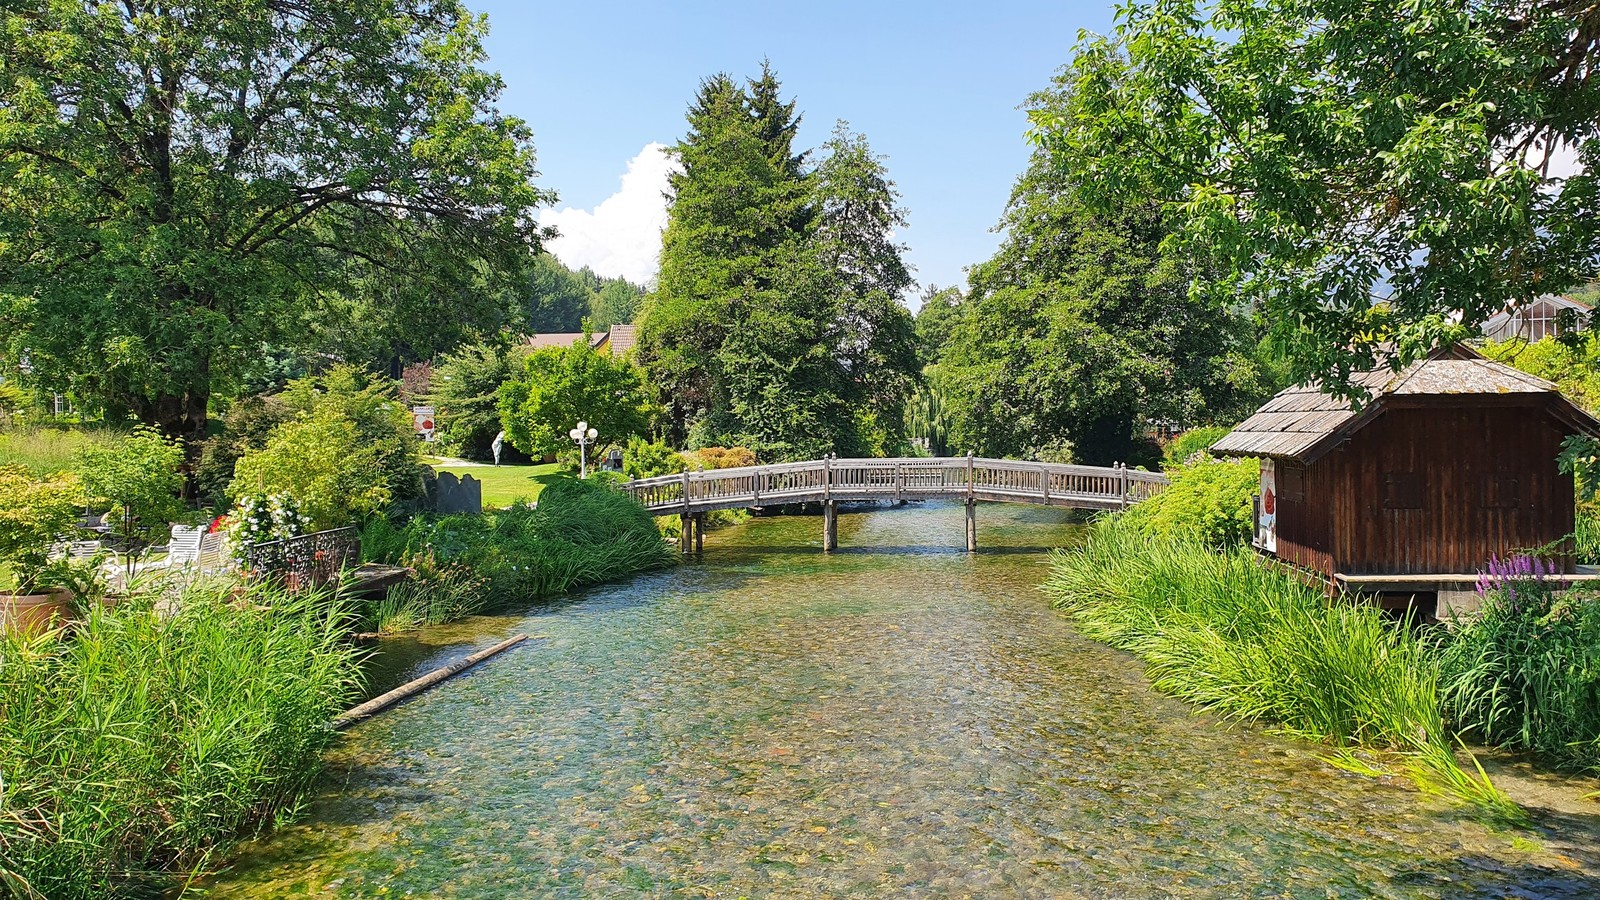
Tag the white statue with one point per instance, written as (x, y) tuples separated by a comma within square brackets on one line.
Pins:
[(499, 441)]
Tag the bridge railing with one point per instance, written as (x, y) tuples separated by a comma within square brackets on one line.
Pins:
[(912, 478)]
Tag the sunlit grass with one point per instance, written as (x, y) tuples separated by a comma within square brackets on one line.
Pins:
[(44, 451), (1225, 632), (505, 485)]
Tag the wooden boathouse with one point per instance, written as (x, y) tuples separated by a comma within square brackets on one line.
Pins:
[(1451, 462)]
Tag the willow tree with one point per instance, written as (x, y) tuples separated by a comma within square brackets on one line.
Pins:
[(1377, 177), (184, 182)]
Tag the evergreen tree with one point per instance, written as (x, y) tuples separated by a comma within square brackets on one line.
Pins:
[(776, 322)]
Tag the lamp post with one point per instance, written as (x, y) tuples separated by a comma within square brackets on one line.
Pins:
[(583, 434)]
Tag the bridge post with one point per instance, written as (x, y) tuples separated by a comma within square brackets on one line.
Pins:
[(685, 533), (1044, 482), (699, 534), (830, 526), (972, 525), (1122, 485)]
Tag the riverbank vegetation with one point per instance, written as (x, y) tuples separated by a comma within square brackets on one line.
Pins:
[(1525, 672), (1225, 632), (579, 534), (150, 737)]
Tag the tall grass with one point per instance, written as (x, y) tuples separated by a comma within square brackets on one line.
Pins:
[(145, 742), (434, 596), (579, 534), (1223, 631), (45, 451), (1525, 672)]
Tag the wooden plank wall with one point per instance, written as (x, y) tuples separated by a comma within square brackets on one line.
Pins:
[(1431, 490)]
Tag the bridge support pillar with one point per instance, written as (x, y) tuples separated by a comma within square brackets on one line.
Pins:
[(699, 534), (685, 533), (972, 526), (830, 526)]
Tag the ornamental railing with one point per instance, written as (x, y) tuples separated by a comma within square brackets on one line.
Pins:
[(305, 561)]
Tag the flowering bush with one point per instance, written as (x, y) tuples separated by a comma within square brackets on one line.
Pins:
[(256, 520)]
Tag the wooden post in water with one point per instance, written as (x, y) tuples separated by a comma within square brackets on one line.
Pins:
[(699, 534), (972, 525), (830, 526), (685, 533)]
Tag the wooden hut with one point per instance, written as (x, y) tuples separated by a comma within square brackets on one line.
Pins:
[(1452, 461)]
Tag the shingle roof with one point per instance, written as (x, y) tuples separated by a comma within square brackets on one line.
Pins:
[(623, 337), (1302, 420)]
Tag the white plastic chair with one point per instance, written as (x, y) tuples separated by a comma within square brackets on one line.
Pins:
[(183, 550)]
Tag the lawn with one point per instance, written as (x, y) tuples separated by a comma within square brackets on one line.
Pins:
[(505, 485)]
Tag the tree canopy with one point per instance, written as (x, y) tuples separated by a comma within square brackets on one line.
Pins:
[(182, 184), (1377, 178), (561, 386), (776, 322), (1081, 332)]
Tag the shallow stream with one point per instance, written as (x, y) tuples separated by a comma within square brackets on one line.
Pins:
[(897, 719)]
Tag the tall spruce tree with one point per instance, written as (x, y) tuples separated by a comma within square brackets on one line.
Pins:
[(775, 322)]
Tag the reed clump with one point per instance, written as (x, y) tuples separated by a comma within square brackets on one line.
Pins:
[(1524, 673), (1223, 631), (149, 740), (579, 534)]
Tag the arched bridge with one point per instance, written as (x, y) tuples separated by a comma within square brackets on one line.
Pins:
[(832, 481)]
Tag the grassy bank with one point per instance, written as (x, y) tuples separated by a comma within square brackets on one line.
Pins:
[(144, 744), (505, 485), (579, 534), (1224, 632)]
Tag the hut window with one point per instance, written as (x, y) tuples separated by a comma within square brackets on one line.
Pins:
[(1500, 492), (1402, 490), (1292, 484)]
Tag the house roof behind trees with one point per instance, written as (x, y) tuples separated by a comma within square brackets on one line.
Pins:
[(1302, 423), (566, 339)]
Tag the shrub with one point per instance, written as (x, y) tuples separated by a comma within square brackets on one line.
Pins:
[(579, 534), (321, 462), (147, 741), (34, 512), (1225, 632), (246, 428), (1208, 502), (347, 452), (141, 480), (1525, 672), (1195, 442), (721, 457), (647, 459)]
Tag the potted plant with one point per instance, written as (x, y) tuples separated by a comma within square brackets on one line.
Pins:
[(34, 512)]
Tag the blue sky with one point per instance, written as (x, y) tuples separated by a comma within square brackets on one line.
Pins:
[(935, 87)]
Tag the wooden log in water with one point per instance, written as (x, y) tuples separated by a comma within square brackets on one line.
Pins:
[(416, 686)]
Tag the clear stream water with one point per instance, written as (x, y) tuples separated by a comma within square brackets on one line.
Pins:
[(895, 720)]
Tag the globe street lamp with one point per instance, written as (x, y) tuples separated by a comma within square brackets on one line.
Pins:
[(583, 434)]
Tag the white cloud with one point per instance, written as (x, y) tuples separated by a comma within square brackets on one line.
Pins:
[(622, 236)]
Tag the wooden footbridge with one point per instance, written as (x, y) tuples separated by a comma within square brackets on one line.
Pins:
[(834, 481)]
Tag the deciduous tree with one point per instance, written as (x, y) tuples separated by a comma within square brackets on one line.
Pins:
[(1376, 178), (182, 183)]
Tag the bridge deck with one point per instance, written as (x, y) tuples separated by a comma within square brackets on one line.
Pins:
[(911, 478)]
